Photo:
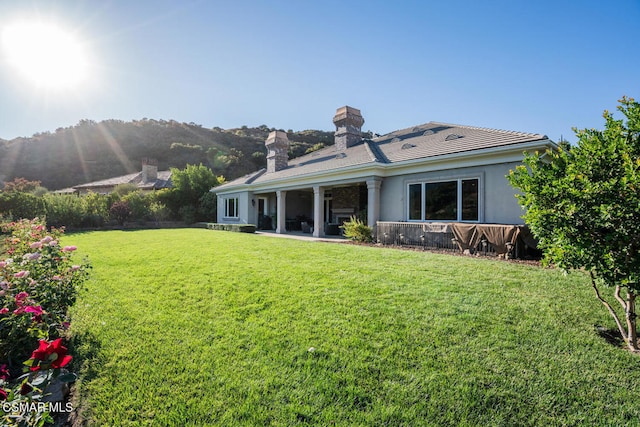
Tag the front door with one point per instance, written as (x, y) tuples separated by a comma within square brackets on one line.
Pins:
[(264, 221)]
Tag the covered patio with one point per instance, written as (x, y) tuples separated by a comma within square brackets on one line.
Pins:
[(318, 210)]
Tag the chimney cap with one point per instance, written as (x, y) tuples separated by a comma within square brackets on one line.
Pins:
[(277, 137), (350, 114)]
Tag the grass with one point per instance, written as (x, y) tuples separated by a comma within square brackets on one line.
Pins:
[(199, 327)]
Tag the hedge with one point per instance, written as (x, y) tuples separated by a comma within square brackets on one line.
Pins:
[(239, 228)]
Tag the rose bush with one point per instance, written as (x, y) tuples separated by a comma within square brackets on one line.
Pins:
[(38, 283)]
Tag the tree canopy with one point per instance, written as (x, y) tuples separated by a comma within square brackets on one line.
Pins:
[(583, 204)]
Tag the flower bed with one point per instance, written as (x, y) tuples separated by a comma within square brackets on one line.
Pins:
[(38, 283)]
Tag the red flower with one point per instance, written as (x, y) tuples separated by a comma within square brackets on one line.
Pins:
[(3, 394), (50, 355), (4, 310), (25, 389), (4, 372)]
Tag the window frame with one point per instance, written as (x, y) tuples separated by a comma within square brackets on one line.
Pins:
[(231, 202), (459, 199)]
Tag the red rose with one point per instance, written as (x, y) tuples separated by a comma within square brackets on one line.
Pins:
[(25, 389), (3, 394), (4, 372), (50, 355)]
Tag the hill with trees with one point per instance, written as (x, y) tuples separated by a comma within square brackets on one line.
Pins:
[(91, 151)]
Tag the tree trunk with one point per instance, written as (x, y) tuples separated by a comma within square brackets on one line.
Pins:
[(632, 340), (621, 329)]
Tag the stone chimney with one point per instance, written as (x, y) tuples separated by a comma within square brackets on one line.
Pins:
[(277, 151), (348, 121), (149, 170)]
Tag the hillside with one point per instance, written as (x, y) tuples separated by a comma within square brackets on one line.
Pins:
[(91, 151)]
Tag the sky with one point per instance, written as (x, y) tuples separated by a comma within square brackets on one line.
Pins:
[(542, 66)]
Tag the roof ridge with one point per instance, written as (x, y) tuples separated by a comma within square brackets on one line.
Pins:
[(512, 132), (373, 151)]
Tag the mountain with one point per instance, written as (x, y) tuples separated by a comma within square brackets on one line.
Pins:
[(91, 151)]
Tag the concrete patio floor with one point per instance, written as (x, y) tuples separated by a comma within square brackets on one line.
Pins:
[(298, 235)]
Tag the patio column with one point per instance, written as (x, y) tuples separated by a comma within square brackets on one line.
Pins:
[(281, 212), (373, 201), (318, 211)]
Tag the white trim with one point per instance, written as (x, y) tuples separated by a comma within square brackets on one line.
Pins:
[(228, 203), (458, 180)]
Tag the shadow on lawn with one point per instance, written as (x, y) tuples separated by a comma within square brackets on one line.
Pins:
[(85, 348), (610, 335)]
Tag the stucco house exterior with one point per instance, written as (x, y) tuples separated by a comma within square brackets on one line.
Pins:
[(430, 173)]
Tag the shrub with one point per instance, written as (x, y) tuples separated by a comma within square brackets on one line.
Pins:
[(138, 204), (120, 212), (64, 209), (38, 284), (355, 229), (239, 228), (17, 205)]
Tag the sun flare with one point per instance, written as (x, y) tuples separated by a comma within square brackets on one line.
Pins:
[(45, 55)]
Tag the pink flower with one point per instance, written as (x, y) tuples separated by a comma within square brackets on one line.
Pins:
[(75, 267), (34, 256), (46, 240), (21, 274), (3, 264), (69, 248), (37, 312), (36, 245), (53, 243), (4, 310), (21, 298)]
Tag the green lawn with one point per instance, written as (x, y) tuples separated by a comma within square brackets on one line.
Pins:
[(199, 327)]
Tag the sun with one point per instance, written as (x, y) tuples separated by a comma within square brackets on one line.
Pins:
[(45, 55)]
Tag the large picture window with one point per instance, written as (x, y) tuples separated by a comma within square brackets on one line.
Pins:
[(455, 200), (231, 207)]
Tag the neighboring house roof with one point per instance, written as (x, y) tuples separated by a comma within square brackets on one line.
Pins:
[(163, 181), (425, 141)]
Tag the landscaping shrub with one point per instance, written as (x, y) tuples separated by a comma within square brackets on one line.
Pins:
[(38, 283), (139, 206), (17, 205), (64, 210), (239, 228), (120, 211), (355, 229)]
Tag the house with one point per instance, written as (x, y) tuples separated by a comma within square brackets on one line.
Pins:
[(430, 173), (148, 179)]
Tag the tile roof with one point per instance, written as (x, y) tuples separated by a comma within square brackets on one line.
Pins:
[(419, 142), (163, 181)]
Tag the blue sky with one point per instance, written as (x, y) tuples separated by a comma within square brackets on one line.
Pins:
[(534, 66)]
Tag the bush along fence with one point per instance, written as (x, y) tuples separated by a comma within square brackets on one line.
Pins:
[(508, 241), (38, 283)]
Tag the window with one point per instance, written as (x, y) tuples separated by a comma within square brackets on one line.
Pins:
[(415, 202), (455, 200), (231, 207)]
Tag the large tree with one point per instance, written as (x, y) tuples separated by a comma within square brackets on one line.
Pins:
[(583, 204)]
